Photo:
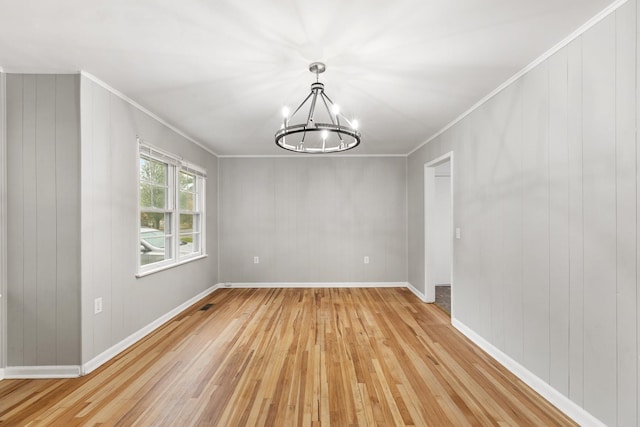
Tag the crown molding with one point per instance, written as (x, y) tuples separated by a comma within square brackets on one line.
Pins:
[(144, 110), (571, 37)]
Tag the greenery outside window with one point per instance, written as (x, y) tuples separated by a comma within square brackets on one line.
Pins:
[(171, 210)]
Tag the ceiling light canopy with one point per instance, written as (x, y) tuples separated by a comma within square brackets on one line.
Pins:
[(321, 129)]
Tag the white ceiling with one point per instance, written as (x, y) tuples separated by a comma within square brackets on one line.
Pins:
[(221, 70)]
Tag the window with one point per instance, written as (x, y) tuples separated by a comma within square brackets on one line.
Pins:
[(171, 211)]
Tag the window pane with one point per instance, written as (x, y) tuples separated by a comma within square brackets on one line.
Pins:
[(155, 237), (189, 242), (186, 223), (159, 197), (187, 201), (145, 195), (187, 182), (187, 191), (153, 172)]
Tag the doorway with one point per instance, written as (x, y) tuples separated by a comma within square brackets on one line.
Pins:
[(438, 239)]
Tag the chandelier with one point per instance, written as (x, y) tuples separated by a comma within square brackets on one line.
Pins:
[(321, 130)]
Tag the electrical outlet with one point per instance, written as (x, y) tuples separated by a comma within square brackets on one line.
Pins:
[(256, 260), (97, 305), (366, 260)]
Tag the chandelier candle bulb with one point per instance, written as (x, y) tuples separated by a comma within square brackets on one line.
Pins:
[(311, 133)]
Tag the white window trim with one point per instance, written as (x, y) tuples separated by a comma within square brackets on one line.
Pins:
[(149, 151)]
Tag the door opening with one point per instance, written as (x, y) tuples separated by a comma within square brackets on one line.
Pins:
[(438, 231)]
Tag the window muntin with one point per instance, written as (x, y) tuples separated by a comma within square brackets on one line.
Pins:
[(171, 207)]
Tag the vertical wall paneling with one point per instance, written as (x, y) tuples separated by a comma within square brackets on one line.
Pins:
[(45, 225), (15, 201), (3, 220), (566, 183), (558, 225), (489, 236), (626, 214), (102, 212), (44, 286), (67, 178), (123, 226), (86, 218), (576, 247), (466, 249), (29, 235), (535, 232), (637, 182), (599, 178), (511, 199)]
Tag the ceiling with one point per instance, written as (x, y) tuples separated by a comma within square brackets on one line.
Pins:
[(221, 70)]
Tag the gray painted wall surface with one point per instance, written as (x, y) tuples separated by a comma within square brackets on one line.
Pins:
[(3, 220), (546, 195), (442, 233), (109, 226), (43, 153), (313, 219)]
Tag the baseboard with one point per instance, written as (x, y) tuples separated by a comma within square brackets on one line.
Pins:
[(114, 350), (36, 372), (416, 292), (314, 285), (2, 374), (560, 401)]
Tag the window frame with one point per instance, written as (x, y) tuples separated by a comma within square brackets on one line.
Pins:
[(174, 167)]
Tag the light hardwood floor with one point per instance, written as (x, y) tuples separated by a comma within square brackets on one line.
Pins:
[(291, 357)]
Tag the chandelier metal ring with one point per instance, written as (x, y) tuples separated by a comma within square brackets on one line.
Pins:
[(324, 131)]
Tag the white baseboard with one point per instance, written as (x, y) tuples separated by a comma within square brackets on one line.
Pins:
[(35, 372), (560, 401), (114, 350), (314, 285), (2, 374), (416, 292)]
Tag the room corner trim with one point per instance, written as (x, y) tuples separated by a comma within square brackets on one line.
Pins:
[(560, 401), (2, 374), (41, 372), (114, 350)]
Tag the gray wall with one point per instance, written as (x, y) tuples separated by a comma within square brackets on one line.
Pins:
[(43, 156), (313, 219), (442, 233), (109, 226), (546, 195), (3, 220)]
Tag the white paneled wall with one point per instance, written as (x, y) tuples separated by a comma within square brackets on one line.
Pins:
[(313, 219), (43, 156), (546, 196)]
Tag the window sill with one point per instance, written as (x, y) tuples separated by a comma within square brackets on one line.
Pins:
[(167, 267)]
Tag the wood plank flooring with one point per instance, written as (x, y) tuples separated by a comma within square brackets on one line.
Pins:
[(291, 357)]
